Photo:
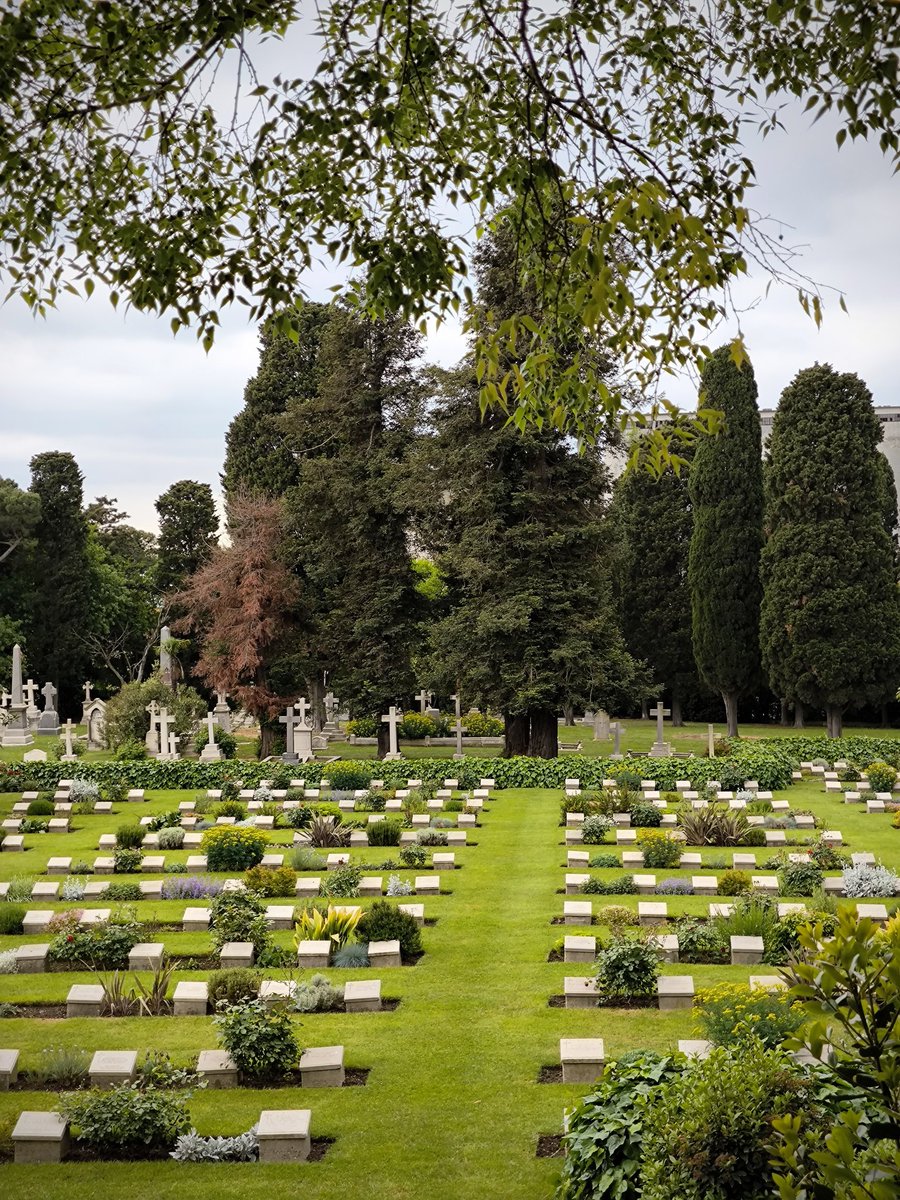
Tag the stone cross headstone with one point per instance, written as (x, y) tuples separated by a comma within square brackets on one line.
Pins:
[(457, 701), (392, 719), (331, 729), (302, 707), (211, 752), (86, 702), (288, 721), (223, 712), (711, 740), (68, 730), (173, 745), (423, 698), (660, 748), (151, 738), (165, 747), (617, 729), (32, 711), (15, 731), (48, 722), (165, 658), (87, 692), (5, 697)]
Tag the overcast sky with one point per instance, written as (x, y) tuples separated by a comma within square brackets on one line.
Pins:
[(140, 409)]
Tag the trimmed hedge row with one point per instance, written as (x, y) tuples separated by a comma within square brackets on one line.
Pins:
[(860, 751), (772, 767)]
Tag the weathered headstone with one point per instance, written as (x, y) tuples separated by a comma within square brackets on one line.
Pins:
[(96, 725), (617, 729), (392, 719), (15, 731), (711, 740), (48, 722), (151, 739), (601, 726), (332, 704), (165, 657), (32, 712), (423, 698), (165, 748), (303, 733), (223, 712), (288, 721), (211, 751), (68, 730)]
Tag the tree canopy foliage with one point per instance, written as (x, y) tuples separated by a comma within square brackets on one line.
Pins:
[(176, 155)]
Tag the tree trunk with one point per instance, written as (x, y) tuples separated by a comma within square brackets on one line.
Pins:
[(645, 710), (569, 715), (515, 735), (677, 719), (384, 740), (731, 713), (317, 704), (267, 739), (834, 720), (799, 715), (784, 712), (544, 734)]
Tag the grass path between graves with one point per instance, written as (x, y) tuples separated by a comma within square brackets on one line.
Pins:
[(452, 1109)]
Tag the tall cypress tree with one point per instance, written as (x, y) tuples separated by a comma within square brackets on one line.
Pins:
[(654, 519), (516, 522), (258, 458), (830, 629), (726, 490), (59, 617), (188, 531), (347, 518)]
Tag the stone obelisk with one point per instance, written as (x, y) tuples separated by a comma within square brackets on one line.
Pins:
[(16, 732)]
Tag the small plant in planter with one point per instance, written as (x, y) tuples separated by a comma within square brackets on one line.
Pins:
[(261, 1039)]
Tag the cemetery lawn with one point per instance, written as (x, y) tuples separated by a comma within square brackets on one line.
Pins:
[(452, 1108)]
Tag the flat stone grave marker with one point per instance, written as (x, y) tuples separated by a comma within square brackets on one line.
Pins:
[(9, 1068), (84, 1000), (217, 1069), (40, 1137), (32, 959), (362, 995), (675, 991), (284, 1135), (582, 1059), (109, 1068), (190, 998), (322, 1066)]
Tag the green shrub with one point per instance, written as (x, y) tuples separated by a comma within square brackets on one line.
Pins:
[(366, 727), (171, 838), (316, 995), (645, 816), (616, 916), (882, 776), (413, 856), (232, 985), (126, 862), (701, 942), (624, 885), (230, 808), (127, 719), (114, 790), (627, 969), (103, 946), (127, 1121), (384, 833), (226, 742), (732, 1013), (659, 850), (800, 879), (416, 726), (342, 882), (239, 917), (130, 837), (131, 751), (231, 848), (604, 1133), (123, 891), (594, 829), (754, 836), (271, 881), (166, 820), (261, 1040), (482, 725), (11, 919), (40, 808), (605, 860), (385, 922), (350, 776), (734, 883), (706, 1132)]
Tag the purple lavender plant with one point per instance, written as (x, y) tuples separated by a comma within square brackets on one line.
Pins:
[(190, 887), (674, 887)]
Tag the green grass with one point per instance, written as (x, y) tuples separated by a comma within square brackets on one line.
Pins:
[(452, 1109)]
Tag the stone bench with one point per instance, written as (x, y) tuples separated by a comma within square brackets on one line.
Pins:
[(582, 1059), (40, 1137), (284, 1135)]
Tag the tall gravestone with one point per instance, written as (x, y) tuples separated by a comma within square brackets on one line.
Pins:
[(151, 739), (457, 702), (211, 752), (32, 712), (48, 723), (222, 712), (392, 719), (165, 658), (16, 731)]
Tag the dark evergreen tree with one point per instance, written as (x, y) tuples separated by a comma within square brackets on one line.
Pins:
[(654, 519), (830, 629), (515, 521), (346, 516), (259, 459), (60, 575), (726, 490), (188, 532)]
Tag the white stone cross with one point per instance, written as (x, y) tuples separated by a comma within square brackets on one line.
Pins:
[(210, 723), (659, 712), (173, 745), (87, 692), (457, 700), (289, 721), (392, 720), (164, 736), (29, 689), (423, 697), (5, 698), (302, 707), (330, 702), (68, 729), (48, 691)]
